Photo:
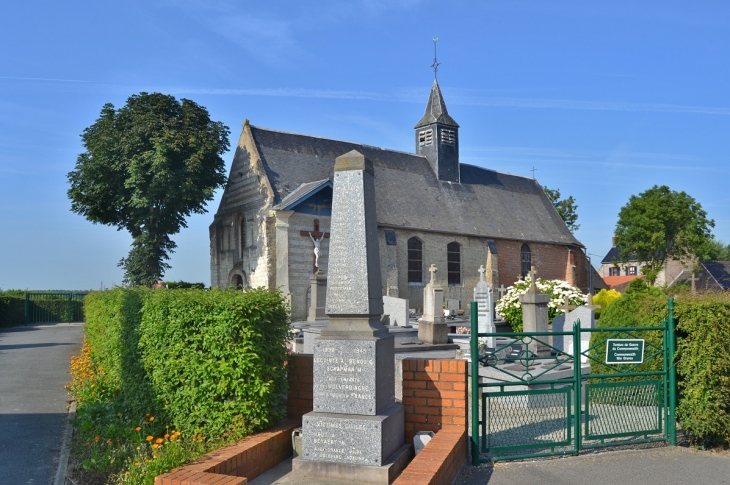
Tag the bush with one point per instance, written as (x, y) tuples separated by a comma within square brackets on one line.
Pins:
[(604, 298), (703, 368), (163, 368), (510, 308), (184, 285), (634, 309), (702, 359), (217, 357), (12, 309)]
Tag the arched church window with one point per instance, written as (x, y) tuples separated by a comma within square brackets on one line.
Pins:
[(526, 259), (239, 282), (415, 260), (453, 258)]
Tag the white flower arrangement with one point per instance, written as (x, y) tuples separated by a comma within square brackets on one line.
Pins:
[(510, 308)]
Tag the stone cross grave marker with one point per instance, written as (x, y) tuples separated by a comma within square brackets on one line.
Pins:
[(356, 430), (485, 309), (431, 328)]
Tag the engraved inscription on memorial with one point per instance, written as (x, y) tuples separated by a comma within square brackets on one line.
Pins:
[(340, 440), (345, 373)]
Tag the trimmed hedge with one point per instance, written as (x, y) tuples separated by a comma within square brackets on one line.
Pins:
[(702, 359), (12, 309), (205, 361), (703, 367), (217, 358)]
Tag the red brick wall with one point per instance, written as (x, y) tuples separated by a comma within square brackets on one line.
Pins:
[(434, 394), (551, 262), (300, 375)]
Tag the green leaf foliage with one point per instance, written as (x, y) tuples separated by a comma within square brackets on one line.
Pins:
[(567, 208), (201, 360), (148, 166), (216, 357), (702, 359), (703, 367), (659, 224)]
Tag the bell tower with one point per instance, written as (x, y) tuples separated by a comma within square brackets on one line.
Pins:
[(437, 137)]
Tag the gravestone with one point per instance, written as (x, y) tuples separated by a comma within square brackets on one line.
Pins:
[(356, 430), (318, 297), (485, 310), (535, 312), (431, 328), (397, 309), (452, 306), (564, 323)]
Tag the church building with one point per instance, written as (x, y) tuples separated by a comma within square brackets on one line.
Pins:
[(272, 226)]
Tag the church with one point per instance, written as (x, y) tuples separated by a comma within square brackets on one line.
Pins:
[(272, 225)]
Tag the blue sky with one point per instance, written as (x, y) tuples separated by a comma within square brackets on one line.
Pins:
[(603, 98)]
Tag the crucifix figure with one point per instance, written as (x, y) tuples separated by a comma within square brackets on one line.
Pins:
[(433, 270), (481, 273), (316, 236)]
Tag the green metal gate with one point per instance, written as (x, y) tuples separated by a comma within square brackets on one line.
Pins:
[(54, 307), (529, 399)]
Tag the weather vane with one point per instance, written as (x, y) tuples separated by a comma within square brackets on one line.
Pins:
[(436, 63)]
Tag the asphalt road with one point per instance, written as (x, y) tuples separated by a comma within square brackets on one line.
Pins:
[(654, 466), (34, 363)]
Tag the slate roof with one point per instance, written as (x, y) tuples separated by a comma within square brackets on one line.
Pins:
[(486, 203), (720, 271), (436, 109)]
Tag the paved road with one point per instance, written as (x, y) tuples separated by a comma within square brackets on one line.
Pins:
[(34, 363), (654, 466)]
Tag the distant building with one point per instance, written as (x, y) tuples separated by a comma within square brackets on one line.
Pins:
[(431, 209)]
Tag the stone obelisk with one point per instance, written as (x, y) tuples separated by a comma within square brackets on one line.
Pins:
[(356, 431)]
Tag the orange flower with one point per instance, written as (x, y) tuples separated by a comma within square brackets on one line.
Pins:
[(159, 440), (152, 418), (150, 438), (155, 446), (137, 428), (96, 438)]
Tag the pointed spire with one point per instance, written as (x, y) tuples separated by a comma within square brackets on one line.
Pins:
[(436, 109)]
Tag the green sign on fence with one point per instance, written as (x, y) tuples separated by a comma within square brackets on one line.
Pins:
[(624, 351)]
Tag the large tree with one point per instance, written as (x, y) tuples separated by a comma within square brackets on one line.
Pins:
[(148, 166), (567, 208), (662, 224)]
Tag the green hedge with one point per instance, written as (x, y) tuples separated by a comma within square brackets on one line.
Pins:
[(203, 360), (703, 367), (702, 359), (12, 309)]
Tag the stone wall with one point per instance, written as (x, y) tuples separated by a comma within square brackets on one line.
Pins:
[(245, 197)]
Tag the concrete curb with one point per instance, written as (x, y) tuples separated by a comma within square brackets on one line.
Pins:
[(65, 446)]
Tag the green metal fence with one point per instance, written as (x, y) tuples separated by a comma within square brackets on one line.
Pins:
[(531, 397), (54, 307)]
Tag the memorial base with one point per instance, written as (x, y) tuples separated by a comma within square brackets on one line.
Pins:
[(310, 471), (433, 333)]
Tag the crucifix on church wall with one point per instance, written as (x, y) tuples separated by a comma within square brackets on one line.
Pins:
[(316, 236)]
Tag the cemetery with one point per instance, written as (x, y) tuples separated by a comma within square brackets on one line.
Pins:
[(372, 390)]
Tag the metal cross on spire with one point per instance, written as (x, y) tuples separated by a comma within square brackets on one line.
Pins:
[(436, 63)]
